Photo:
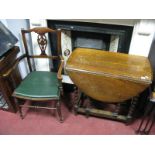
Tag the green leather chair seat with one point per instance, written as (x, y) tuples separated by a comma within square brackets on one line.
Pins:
[(39, 84)]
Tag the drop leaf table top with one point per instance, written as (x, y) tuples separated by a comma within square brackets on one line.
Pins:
[(109, 76)]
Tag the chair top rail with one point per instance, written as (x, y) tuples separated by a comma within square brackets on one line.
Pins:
[(39, 30)]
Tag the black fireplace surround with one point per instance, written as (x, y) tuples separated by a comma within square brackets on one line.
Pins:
[(91, 35)]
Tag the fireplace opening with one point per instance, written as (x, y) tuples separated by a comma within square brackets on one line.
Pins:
[(90, 40)]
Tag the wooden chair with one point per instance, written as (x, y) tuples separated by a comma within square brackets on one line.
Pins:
[(39, 86)]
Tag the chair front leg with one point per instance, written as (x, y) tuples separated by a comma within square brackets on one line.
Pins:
[(58, 107), (19, 108), (20, 112), (61, 88)]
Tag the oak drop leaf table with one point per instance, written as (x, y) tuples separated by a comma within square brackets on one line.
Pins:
[(109, 77)]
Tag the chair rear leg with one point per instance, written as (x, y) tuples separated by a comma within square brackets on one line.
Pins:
[(20, 112), (58, 107)]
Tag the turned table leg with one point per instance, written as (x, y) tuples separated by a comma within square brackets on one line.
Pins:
[(117, 110), (77, 100), (134, 102)]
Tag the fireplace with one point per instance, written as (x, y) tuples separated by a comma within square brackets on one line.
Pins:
[(90, 40), (115, 38)]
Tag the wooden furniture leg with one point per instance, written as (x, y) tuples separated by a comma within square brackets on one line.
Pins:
[(87, 109), (150, 113), (77, 98), (134, 102), (75, 94), (152, 122), (148, 110), (117, 110), (19, 108), (59, 111), (20, 111)]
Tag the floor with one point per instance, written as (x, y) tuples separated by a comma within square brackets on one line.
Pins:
[(44, 122)]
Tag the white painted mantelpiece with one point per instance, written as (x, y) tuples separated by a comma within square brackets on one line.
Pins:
[(127, 22), (142, 37)]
